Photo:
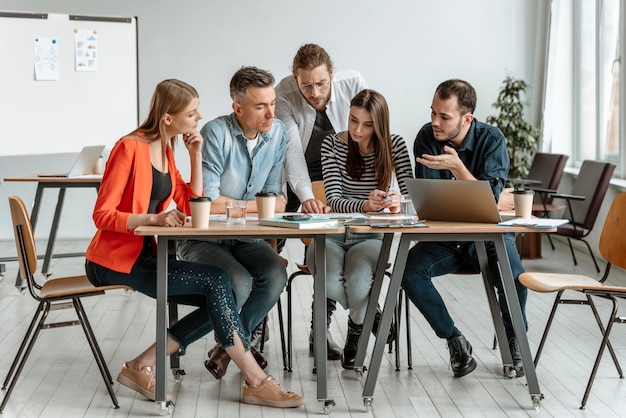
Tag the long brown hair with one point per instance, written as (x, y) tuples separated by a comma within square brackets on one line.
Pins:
[(170, 96), (376, 105)]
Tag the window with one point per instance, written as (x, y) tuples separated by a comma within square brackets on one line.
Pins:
[(591, 28)]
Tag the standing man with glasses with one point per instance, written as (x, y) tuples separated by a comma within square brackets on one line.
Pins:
[(313, 102)]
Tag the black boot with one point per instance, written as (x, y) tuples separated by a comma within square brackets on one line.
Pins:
[(352, 343), (518, 365), (392, 329), (333, 350), (461, 359)]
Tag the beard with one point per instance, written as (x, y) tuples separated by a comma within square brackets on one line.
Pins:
[(319, 105)]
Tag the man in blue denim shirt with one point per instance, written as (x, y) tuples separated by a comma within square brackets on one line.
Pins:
[(457, 146), (243, 155)]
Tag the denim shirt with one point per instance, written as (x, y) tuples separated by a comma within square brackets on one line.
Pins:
[(483, 152), (228, 169)]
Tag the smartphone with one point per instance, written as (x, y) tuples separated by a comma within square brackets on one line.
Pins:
[(297, 217)]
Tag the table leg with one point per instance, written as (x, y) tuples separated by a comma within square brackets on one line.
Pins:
[(319, 322), (161, 320), (53, 230), (385, 322), (379, 277), (494, 306), (518, 322)]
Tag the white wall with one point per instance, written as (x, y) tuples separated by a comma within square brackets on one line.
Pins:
[(404, 48)]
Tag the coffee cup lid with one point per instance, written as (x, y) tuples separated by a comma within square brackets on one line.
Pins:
[(265, 194), (523, 191), (199, 199)]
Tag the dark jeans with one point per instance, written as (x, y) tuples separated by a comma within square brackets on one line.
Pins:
[(194, 284), (430, 259), (257, 274)]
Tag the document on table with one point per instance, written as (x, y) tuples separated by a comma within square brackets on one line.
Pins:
[(535, 222)]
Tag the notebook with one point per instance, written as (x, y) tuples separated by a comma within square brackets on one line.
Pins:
[(453, 200), (85, 163)]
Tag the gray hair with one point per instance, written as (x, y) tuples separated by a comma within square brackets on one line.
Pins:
[(246, 77)]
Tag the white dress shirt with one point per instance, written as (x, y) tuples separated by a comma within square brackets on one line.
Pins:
[(299, 117)]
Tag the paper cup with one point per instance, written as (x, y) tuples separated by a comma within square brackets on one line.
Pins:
[(523, 202), (200, 211), (265, 204)]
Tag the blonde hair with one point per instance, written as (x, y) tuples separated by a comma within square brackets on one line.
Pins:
[(170, 96)]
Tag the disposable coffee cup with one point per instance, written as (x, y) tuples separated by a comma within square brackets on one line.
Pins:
[(200, 211), (265, 204), (523, 202)]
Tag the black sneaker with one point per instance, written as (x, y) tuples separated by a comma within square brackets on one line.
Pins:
[(461, 360), (518, 365)]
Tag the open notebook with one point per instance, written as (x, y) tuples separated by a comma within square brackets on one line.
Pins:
[(85, 163)]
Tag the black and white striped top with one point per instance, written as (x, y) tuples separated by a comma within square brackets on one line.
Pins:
[(347, 195)]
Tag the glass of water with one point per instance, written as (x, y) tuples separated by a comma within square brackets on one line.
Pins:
[(236, 212)]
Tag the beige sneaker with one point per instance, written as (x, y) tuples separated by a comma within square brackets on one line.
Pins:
[(141, 381), (270, 393)]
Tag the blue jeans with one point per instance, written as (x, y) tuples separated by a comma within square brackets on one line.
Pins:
[(257, 274), (430, 259), (194, 284), (350, 264)]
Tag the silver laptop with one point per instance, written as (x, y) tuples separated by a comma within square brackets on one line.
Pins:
[(453, 200), (85, 163)]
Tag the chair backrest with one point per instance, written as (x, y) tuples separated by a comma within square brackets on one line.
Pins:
[(548, 169), (613, 238), (23, 232), (319, 191), (592, 182)]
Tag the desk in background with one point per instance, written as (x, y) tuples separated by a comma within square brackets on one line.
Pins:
[(251, 229), (447, 231), (62, 184)]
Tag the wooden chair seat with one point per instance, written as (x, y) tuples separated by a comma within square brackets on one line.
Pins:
[(74, 286)]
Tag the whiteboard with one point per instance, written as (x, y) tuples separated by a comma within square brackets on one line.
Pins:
[(81, 107)]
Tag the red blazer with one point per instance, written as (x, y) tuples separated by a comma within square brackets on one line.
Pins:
[(126, 187)]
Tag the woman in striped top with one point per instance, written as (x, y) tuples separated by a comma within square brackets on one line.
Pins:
[(358, 166)]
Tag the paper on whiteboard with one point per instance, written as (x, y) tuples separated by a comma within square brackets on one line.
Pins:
[(46, 58)]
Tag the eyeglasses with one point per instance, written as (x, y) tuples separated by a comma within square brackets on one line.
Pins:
[(321, 85)]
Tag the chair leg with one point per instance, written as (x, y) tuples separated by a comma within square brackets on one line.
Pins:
[(592, 256), (409, 350), (571, 248), (396, 337), (281, 325), (95, 349), (604, 343), (24, 351), (618, 367), (556, 303), (550, 240), (263, 334), (23, 345)]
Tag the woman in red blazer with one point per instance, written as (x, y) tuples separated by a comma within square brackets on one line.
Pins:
[(139, 182)]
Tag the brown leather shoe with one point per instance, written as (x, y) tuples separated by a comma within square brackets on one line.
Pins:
[(217, 362), (261, 361)]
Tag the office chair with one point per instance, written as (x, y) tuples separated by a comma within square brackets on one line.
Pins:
[(584, 203), (612, 247), (61, 293), (544, 177)]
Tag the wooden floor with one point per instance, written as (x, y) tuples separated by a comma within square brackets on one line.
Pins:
[(62, 380)]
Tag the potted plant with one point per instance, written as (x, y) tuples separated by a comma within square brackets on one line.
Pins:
[(521, 136)]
